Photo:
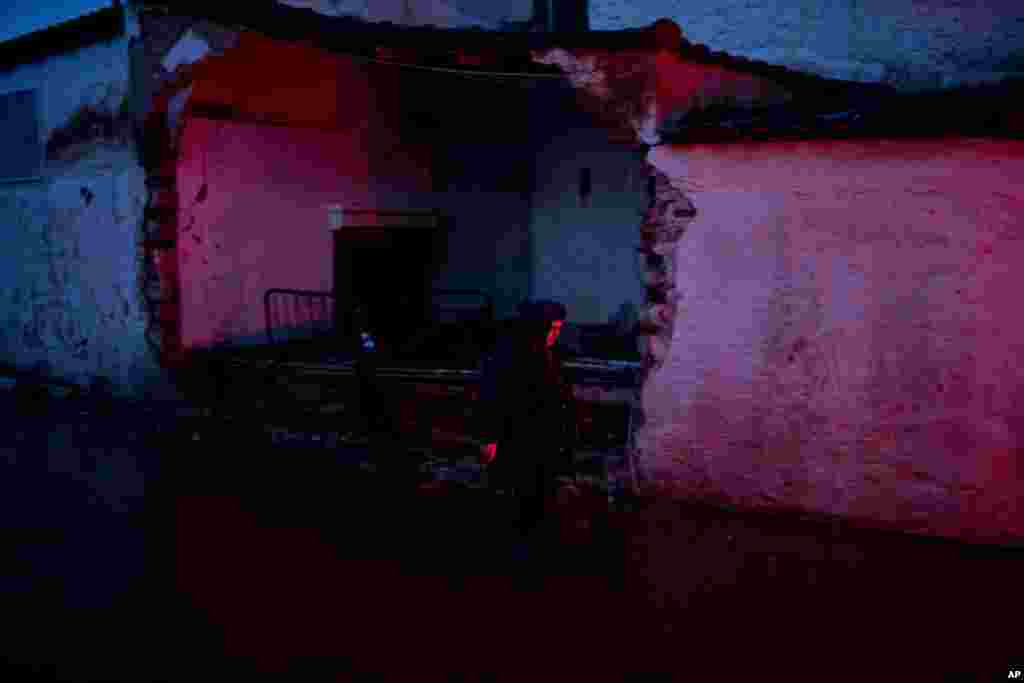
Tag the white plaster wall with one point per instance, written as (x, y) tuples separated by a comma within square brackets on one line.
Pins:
[(68, 272), (905, 42), (848, 340), (478, 145), (584, 256), (489, 243), (488, 246)]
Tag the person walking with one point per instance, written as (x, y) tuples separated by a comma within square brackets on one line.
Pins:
[(527, 424)]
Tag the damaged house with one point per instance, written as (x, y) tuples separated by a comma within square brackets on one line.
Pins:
[(71, 197), (800, 286)]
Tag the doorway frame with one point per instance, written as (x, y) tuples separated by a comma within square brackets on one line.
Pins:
[(382, 234)]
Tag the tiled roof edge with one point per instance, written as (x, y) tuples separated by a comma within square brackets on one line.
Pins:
[(287, 22), (978, 110)]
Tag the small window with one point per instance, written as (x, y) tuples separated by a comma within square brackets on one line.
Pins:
[(22, 157), (586, 186)]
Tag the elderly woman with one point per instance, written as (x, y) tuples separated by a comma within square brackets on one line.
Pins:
[(527, 423)]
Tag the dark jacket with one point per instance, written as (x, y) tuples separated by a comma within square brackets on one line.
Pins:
[(526, 404)]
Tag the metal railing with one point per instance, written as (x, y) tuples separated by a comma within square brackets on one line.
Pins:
[(296, 309), (314, 311)]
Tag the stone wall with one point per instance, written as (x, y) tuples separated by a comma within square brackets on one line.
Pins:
[(903, 42), (846, 338), (69, 270), (640, 92)]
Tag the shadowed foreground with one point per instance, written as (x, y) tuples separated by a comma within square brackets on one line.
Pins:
[(251, 561), (315, 573)]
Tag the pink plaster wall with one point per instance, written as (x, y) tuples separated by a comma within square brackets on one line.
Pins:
[(263, 222), (849, 336)]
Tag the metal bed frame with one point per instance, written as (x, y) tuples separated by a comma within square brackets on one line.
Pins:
[(294, 308), (316, 309)]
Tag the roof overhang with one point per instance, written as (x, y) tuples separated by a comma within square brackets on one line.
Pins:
[(819, 108), (20, 18), (967, 111), (40, 32), (505, 51), (284, 22)]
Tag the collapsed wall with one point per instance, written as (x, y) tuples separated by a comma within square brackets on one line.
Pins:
[(820, 316)]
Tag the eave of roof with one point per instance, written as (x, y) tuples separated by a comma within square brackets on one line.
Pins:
[(967, 111), (437, 46), (821, 107), (105, 24)]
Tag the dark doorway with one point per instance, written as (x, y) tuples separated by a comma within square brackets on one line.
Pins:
[(388, 270)]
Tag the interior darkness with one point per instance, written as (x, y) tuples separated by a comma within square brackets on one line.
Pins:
[(386, 271)]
